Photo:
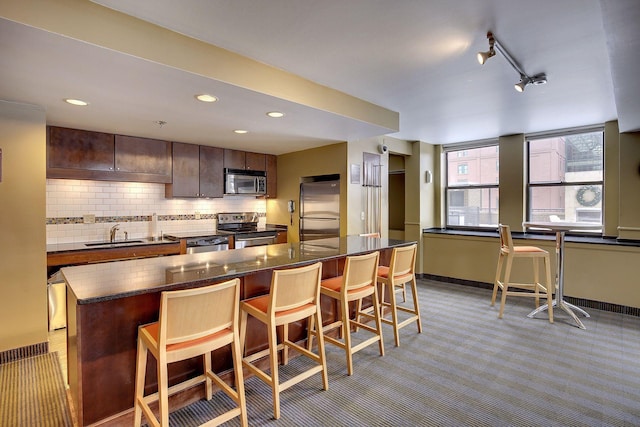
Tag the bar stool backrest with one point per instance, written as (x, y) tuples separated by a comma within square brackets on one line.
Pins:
[(294, 288), (194, 313), (506, 242), (360, 271), (403, 261)]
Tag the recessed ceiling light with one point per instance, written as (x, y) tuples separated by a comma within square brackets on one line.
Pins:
[(240, 131), (77, 102), (206, 98), (275, 114)]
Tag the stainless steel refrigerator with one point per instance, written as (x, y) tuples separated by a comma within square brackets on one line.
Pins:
[(320, 208)]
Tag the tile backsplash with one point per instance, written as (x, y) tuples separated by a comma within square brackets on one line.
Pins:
[(130, 204)]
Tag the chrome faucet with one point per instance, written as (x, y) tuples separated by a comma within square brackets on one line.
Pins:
[(112, 232)]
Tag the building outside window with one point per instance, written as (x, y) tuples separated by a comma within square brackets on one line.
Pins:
[(566, 177), (472, 186)]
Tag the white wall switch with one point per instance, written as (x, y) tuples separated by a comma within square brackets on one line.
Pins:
[(89, 219), (197, 215)]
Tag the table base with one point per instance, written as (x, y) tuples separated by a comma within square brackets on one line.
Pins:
[(566, 307)]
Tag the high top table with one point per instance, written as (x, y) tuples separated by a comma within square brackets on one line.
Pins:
[(560, 229)]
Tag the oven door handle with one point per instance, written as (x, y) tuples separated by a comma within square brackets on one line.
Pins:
[(255, 239)]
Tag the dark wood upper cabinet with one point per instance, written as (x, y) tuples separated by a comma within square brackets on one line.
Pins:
[(234, 159), (76, 150), (255, 161), (197, 171), (186, 171), (244, 160), (82, 154), (272, 175), (211, 171), (143, 156)]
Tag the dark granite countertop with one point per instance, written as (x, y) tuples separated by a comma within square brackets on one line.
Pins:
[(210, 233), (537, 235), (97, 245), (105, 281)]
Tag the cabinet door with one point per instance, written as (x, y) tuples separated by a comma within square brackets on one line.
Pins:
[(234, 159), (255, 161), (186, 171), (281, 237), (71, 152), (211, 171), (147, 160), (272, 175)]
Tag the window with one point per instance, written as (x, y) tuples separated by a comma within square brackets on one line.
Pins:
[(566, 177), (472, 186)]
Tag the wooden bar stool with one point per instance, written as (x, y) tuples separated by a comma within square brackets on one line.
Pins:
[(294, 296), (192, 322), (401, 270), (400, 289), (358, 281), (508, 253)]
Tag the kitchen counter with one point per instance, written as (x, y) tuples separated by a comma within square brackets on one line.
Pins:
[(210, 233), (103, 244), (106, 303), (98, 282)]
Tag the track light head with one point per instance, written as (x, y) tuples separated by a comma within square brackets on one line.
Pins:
[(524, 81), (538, 79), (483, 56)]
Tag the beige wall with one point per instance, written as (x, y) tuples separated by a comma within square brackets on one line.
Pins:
[(512, 178), (595, 272), (629, 173), (605, 273), (330, 159), (23, 263)]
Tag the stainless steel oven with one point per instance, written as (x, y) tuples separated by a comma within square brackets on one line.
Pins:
[(257, 238), (243, 226), (207, 244)]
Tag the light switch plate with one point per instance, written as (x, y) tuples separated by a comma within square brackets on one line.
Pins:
[(89, 219)]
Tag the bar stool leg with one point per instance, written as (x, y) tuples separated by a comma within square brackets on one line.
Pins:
[(275, 381), (416, 308), (141, 369), (505, 286), (495, 283)]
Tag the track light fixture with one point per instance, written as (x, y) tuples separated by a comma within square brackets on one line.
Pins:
[(483, 56), (525, 79)]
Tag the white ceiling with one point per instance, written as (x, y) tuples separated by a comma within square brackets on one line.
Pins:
[(416, 57)]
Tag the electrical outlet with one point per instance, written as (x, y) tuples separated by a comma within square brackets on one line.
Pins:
[(88, 219), (197, 215)]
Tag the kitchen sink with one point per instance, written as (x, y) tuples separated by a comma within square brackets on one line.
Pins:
[(114, 243)]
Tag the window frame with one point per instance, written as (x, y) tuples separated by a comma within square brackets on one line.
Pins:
[(563, 184), (465, 147)]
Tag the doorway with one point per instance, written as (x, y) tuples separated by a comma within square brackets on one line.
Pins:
[(396, 196)]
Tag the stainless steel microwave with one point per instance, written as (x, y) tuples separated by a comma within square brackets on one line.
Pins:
[(238, 181)]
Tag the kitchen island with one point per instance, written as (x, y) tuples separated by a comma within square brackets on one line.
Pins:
[(107, 302)]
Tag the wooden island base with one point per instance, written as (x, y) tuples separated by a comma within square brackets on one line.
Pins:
[(102, 330)]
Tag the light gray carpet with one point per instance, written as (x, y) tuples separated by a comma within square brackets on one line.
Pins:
[(467, 368), (33, 393)]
